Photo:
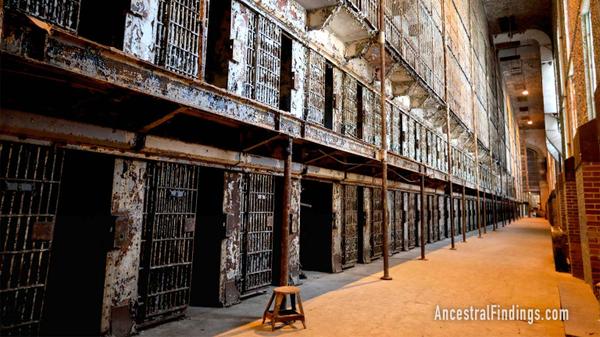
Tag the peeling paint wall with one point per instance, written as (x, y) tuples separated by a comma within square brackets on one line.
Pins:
[(366, 225), (120, 287), (300, 69), (140, 29), (230, 247), (336, 233), (294, 243)]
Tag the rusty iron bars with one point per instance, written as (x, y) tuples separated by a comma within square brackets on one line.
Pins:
[(350, 106), (63, 13), (169, 221), (350, 226), (30, 178), (261, 59), (178, 36), (315, 99), (397, 228), (268, 62), (256, 232), (377, 224)]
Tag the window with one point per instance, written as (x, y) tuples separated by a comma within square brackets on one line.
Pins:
[(588, 57)]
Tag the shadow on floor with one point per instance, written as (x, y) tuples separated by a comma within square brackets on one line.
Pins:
[(205, 321)]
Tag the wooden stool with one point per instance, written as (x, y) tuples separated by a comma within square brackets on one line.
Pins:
[(284, 315)]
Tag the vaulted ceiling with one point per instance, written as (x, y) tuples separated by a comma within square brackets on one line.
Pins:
[(526, 14)]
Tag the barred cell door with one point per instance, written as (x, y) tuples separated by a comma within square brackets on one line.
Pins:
[(391, 221), (412, 220), (29, 189), (376, 224), (350, 227), (397, 232), (167, 246), (256, 233)]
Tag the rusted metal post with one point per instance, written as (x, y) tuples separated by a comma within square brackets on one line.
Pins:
[(384, 180), (448, 145), (285, 214), (449, 175), (464, 214), (494, 211), (422, 213), (485, 215)]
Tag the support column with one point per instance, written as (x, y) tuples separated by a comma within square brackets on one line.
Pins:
[(384, 181), (285, 214), (464, 214), (422, 214), (587, 176)]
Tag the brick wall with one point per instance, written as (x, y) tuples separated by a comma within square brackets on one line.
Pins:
[(570, 204), (587, 176)]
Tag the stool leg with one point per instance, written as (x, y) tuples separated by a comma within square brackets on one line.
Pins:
[(278, 300), (293, 301), (301, 311), (268, 307)]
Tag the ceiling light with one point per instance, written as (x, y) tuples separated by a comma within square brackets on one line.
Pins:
[(529, 122), (525, 92)]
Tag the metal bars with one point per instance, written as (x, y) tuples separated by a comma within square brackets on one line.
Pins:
[(350, 226), (63, 13), (376, 223), (178, 36), (29, 190), (170, 198), (268, 62), (350, 107), (256, 233), (315, 100)]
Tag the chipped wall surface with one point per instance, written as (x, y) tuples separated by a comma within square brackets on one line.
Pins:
[(288, 11), (336, 232), (299, 66), (338, 94), (294, 238), (230, 246), (243, 29), (140, 29), (366, 227), (120, 287)]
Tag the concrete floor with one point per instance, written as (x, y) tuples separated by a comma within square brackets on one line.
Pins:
[(510, 266)]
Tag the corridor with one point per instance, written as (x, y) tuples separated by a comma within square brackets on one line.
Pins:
[(512, 266)]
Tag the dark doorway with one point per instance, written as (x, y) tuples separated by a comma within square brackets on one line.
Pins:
[(82, 237), (218, 45), (210, 232), (93, 18), (316, 226), (286, 76)]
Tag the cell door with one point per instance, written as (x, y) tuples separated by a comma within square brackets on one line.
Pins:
[(30, 178), (412, 221), (350, 227), (376, 224), (391, 220), (397, 232), (167, 243), (256, 232)]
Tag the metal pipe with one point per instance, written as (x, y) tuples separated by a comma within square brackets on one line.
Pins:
[(384, 179), (464, 214), (422, 214), (449, 145), (285, 214)]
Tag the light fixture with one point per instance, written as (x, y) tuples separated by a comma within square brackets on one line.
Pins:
[(529, 122), (525, 92)]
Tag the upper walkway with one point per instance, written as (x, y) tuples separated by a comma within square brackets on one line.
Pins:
[(511, 266)]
